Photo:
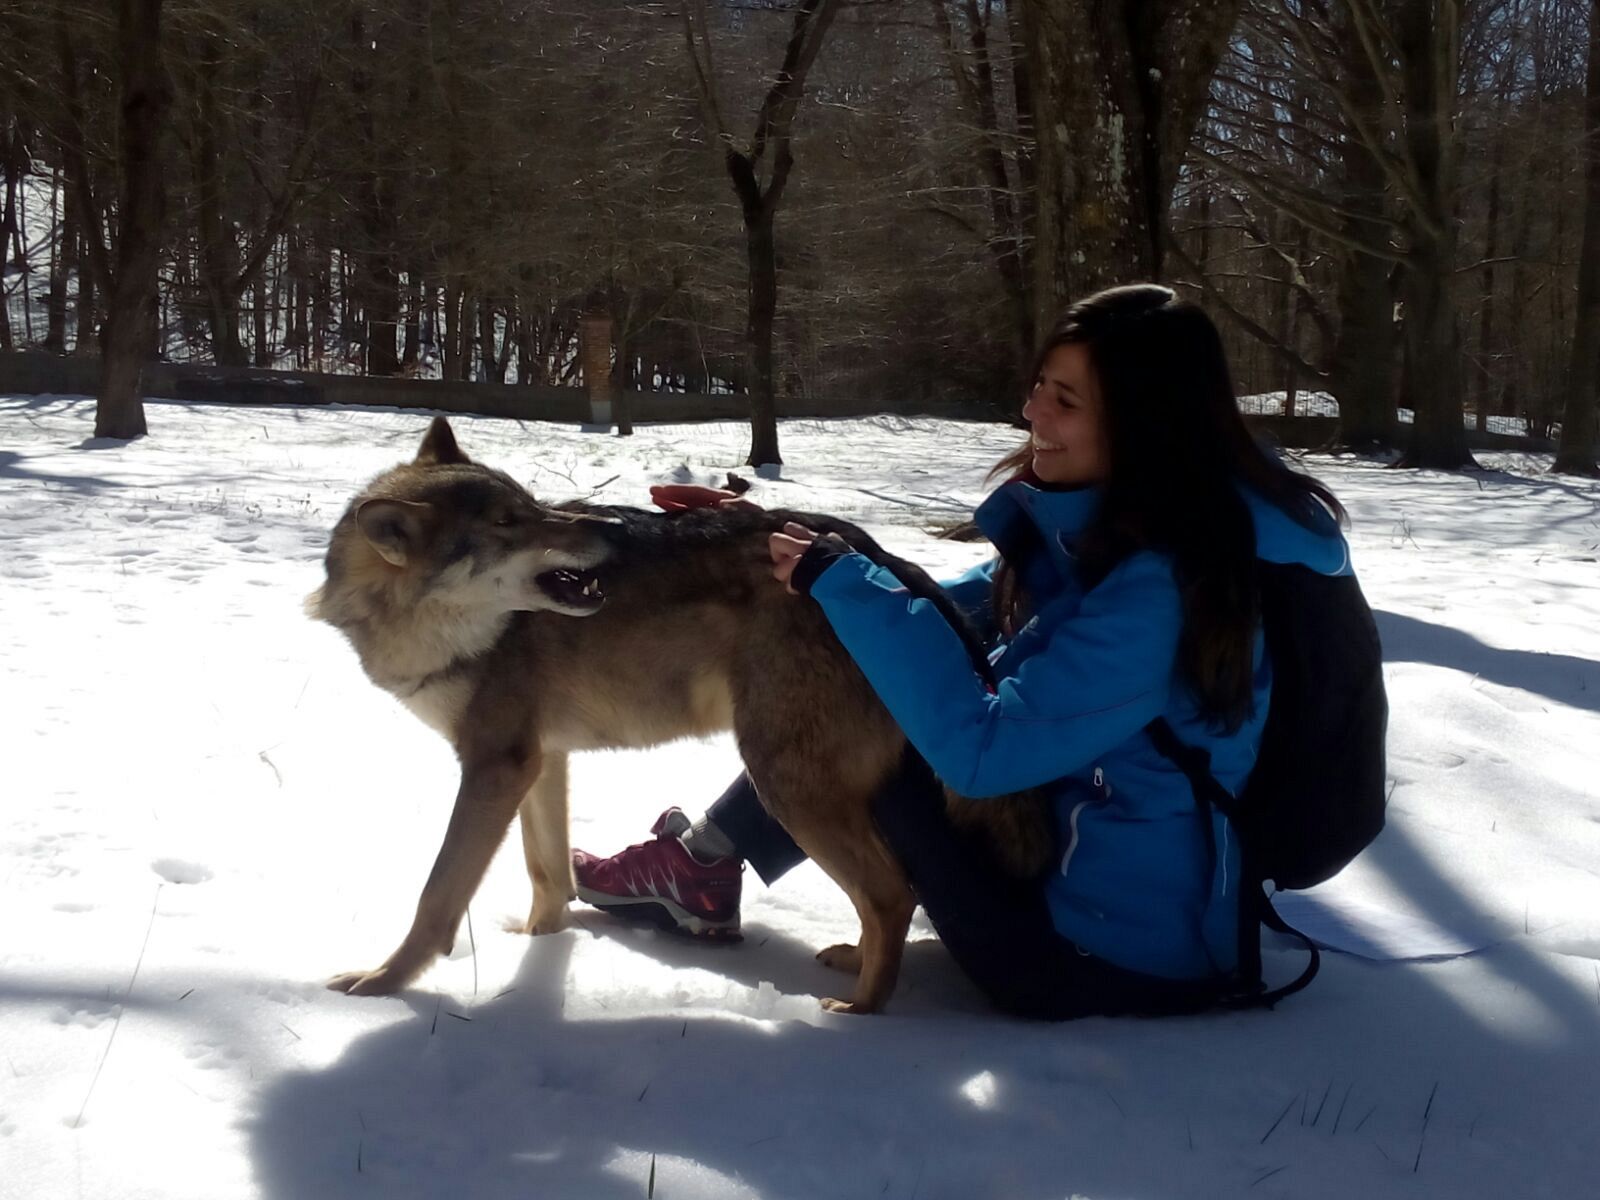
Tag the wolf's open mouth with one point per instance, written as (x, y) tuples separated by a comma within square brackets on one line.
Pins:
[(572, 589)]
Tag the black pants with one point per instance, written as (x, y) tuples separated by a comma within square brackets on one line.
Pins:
[(998, 928)]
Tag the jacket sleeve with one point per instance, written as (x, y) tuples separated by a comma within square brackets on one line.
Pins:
[(1103, 674), (973, 592)]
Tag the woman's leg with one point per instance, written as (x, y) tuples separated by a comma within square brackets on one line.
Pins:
[(688, 878), (755, 835)]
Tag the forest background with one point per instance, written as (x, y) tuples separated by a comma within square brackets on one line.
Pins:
[(1395, 202)]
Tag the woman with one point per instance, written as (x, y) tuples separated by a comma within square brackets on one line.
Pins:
[(1128, 532)]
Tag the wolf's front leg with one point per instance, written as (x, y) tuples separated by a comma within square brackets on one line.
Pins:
[(546, 847), (489, 795)]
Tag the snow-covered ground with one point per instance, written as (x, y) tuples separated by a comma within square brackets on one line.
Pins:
[(207, 810), (1323, 404)]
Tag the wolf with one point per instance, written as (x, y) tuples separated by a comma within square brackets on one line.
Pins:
[(524, 632)]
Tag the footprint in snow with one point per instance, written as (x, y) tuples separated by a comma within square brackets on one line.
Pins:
[(86, 1017), (177, 870)]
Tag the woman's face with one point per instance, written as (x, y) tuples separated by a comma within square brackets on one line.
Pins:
[(1066, 412)]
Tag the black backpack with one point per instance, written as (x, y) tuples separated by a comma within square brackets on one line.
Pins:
[(1317, 794)]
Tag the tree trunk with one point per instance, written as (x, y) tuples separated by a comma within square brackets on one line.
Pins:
[(494, 361), (319, 263), (977, 90), (219, 250), (85, 339), (530, 321), (265, 295), (380, 295), (761, 248), (463, 333), (63, 262), (449, 333), (15, 156), (1483, 375), (1431, 379), (412, 350), (131, 306), (1428, 33), (759, 206), (622, 378), (1116, 89), (379, 291), (1286, 304), (1576, 455), (1361, 366), (15, 166), (295, 340), (1361, 370)]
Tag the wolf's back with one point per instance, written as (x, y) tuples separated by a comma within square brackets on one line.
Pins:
[(719, 545)]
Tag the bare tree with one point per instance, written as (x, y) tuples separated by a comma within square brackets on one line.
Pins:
[(125, 263), (759, 201), (246, 173), (1577, 452), (1116, 89), (1428, 39), (1377, 178), (971, 53), (494, 168)]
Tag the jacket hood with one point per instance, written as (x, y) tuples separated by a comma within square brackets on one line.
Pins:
[(1019, 511), (1282, 539)]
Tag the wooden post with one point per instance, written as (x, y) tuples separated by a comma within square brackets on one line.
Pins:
[(594, 349)]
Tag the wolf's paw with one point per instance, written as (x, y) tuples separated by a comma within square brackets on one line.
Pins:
[(381, 982), (848, 1007), (843, 957), (539, 923)]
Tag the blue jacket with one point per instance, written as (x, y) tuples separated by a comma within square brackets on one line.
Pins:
[(1077, 684)]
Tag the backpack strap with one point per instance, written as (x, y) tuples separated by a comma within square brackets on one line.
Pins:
[(1255, 907), (1252, 894), (1271, 919), (1195, 763)]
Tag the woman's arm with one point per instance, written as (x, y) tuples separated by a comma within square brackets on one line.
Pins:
[(973, 593), (1103, 675)]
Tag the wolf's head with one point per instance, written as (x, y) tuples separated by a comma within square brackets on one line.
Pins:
[(450, 533)]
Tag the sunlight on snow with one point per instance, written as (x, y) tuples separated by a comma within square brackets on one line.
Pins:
[(983, 1089)]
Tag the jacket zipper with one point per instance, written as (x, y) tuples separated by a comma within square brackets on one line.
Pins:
[(1072, 846)]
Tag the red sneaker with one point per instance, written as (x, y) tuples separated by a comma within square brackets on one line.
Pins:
[(663, 883)]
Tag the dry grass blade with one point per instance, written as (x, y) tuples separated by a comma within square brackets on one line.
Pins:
[(1278, 1122), (117, 1023)]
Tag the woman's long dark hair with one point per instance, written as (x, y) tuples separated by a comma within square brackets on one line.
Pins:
[(1178, 451)]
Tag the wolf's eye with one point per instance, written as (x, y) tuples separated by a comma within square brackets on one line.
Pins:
[(505, 520)]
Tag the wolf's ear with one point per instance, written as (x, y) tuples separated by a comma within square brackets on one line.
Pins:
[(393, 527), (439, 447)]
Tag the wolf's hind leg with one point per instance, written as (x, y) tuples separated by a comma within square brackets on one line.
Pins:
[(885, 904), (843, 957), (846, 845), (819, 746), (546, 848)]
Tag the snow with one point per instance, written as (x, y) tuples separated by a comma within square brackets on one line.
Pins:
[(208, 810), (1324, 404)]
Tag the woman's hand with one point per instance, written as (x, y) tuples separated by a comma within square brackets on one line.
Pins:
[(786, 549)]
